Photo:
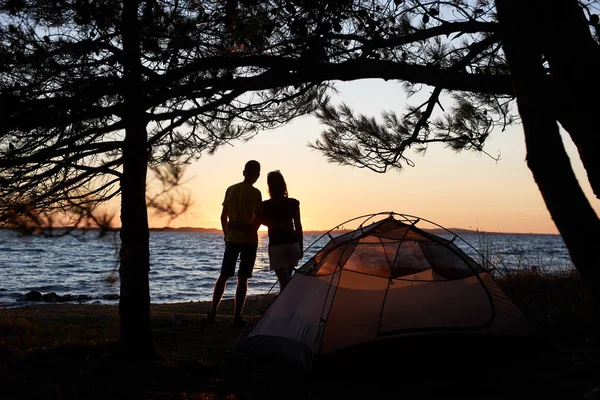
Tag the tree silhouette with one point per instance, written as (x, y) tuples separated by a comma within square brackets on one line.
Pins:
[(93, 93), (543, 56)]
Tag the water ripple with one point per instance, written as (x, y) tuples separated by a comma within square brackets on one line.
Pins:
[(185, 265)]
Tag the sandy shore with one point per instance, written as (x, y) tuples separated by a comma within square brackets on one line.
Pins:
[(64, 351), (174, 325)]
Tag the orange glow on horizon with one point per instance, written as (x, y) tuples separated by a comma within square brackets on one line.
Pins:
[(467, 190)]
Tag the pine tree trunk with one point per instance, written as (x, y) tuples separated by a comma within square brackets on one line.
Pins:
[(574, 59), (547, 159), (134, 304)]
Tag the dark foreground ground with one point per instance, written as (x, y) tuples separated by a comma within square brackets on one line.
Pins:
[(60, 351)]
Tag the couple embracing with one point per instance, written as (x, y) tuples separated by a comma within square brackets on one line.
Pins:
[(243, 213)]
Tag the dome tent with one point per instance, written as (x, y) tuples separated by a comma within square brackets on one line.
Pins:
[(385, 280)]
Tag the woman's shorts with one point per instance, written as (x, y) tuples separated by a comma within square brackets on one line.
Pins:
[(284, 255)]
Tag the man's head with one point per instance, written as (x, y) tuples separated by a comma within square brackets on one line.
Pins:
[(251, 171)]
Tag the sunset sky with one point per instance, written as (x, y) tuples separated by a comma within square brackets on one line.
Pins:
[(456, 190)]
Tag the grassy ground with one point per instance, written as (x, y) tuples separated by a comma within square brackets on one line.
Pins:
[(59, 351)]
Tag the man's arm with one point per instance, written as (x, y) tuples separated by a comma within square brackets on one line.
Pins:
[(224, 217), (259, 216), (257, 210)]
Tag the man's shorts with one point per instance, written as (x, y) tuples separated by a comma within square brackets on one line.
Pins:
[(284, 255), (247, 254)]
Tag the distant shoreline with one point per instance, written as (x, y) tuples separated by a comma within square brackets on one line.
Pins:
[(214, 230), (435, 231)]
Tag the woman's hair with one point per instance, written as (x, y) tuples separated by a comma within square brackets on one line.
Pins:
[(276, 183)]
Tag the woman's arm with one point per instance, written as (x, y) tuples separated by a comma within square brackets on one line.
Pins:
[(263, 219), (298, 228)]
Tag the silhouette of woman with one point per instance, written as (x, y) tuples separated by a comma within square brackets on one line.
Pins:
[(285, 228)]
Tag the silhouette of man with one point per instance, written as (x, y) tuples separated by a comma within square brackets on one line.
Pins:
[(239, 221)]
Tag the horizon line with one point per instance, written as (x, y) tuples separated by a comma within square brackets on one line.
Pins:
[(310, 231), (306, 231)]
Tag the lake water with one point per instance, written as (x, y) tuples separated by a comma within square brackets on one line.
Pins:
[(184, 265)]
